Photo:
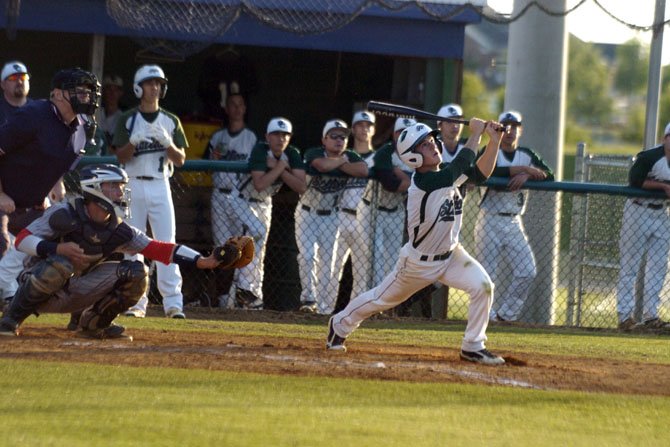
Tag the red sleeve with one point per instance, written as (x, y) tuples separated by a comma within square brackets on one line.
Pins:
[(21, 236), (159, 251)]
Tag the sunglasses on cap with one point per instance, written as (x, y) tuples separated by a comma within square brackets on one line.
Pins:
[(17, 77), (337, 136)]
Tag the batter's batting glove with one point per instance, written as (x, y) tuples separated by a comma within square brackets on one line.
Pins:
[(162, 136), (138, 137)]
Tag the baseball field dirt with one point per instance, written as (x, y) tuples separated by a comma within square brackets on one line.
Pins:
[(308, 357)]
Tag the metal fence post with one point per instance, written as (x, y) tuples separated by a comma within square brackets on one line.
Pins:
[(577, 235)]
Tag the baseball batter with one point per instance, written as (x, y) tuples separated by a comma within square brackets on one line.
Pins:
[(645, 231), (149, 141), (315, 215), (499, 231), (69, 270), (352, 238), (382, 211), (272, 162), (233, 143), (433, 253)]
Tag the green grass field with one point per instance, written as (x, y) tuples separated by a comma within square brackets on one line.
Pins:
[(83, 404)]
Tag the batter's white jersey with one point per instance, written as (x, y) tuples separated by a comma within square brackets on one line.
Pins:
[(432, 254)]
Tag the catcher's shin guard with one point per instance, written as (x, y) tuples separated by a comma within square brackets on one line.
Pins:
[(47, 278), (131, 284)]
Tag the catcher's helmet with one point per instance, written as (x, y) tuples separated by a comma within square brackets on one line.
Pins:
[(146, 72), (408, 141), (93, 176), (71, 78)]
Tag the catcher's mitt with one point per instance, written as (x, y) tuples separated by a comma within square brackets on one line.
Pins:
[(237, 252)]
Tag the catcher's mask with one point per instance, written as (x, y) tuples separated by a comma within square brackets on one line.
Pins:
[(83, 88), (91, 179)]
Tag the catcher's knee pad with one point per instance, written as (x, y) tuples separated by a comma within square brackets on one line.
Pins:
[(50, 275), (133, 281)]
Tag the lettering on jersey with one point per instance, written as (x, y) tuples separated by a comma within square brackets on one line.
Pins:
[(227, 154), (450, 209), (327, 185), (146, 147)]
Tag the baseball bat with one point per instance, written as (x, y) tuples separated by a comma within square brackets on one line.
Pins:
[(398, 111)]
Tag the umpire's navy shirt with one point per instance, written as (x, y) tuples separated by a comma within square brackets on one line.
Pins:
[(35, 152), (7, 109)]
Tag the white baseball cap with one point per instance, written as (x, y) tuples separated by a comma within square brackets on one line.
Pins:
[(450, 111), (335, 124), (280, 124), (403, 123), (510, 117), (363, 116), (11, 68), (667, 130)]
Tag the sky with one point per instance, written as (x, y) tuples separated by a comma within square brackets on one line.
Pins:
[(591, 24)]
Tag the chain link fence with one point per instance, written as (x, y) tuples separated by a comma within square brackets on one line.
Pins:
[(572, 230)]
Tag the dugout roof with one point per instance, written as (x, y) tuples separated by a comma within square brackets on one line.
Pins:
[(403, 30)]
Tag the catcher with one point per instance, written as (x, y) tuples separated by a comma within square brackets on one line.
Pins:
[(71, 271)]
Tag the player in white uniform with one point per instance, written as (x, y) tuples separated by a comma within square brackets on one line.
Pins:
[(382, 210), (272, 162), (315, 215), (232, 143), (499, 231), (450, 133), (352, 237), (149, 141), (433, 253), (645, 230)]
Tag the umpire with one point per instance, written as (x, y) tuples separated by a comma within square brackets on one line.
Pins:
[(41, 142)]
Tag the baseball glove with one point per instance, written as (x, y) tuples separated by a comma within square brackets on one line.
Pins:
[(235, 253)]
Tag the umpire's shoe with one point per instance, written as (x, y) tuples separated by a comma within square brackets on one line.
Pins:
[(334, 342), (113, 331), (485, 357)]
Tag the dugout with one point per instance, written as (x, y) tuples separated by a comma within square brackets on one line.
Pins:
[(401, 51)]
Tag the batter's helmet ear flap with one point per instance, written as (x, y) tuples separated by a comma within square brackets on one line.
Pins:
[(408, 141)]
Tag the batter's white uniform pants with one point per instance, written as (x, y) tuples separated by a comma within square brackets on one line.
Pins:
[(643, 231), (316, 237), (409, 275), (503, 237), (152, 200)]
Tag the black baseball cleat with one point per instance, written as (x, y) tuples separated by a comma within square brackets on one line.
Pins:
[(113, 331), (484, 356), (73, 324), (334, 342), (8, 327)]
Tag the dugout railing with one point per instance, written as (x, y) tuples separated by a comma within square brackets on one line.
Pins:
[(573, 229)]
